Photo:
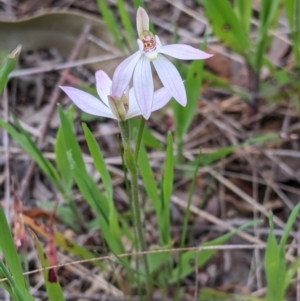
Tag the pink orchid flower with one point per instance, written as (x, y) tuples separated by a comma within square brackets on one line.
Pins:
[(121, 108), (138, 65)]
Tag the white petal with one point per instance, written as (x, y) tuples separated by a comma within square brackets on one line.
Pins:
[(170, 78), (88, 103), (123, 74), (134, 109), (103, 85), (184, 52), (161, 98), (142, 21), (143, 86)]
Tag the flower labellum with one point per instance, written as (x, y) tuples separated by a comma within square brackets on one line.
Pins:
[(111, 106), (138, 66)]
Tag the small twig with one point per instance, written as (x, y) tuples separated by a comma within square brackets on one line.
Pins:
[(53, 101), (60, 66), (113, 257)]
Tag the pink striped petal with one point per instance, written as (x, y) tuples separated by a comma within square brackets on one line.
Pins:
[(160, 99), (123, 74), (134, 109), (142, 21), (88, 103), (103, 85), (184, 52), (143, 86), (170, 78)]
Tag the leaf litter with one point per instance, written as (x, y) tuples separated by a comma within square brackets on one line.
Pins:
[(266, 171)]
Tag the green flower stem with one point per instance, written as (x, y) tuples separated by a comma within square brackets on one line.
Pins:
[(139, 139), (131, 165)]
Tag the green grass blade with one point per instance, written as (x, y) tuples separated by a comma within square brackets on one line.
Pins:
[(98, 160), (7, 286), (151, 189), (62, 160), (291, 272), (268, 11), (275, 267), (8, 66), (53, 288), (167, 188), (72, 145), (138, 3), (292, 8), (244, 10), (148, 179), (126, 22), (216, 295), (288, 227), (110, 22), (86, 185), (12, 258), (13, 289), (226, 25), (184, 116)]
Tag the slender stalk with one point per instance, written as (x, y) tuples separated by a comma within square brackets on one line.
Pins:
[(131, 165), (139, 139), (179, 150)]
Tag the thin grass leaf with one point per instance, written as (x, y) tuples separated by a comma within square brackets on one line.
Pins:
[(86, 185), (70, 140), (53, 288), (138, 3), (274, 266), (152, 191), (290, 273), (6, 284), (148, 179), (292, 8), (61, 158), (98, 160), (268, 10), (288, 227), (110, 22), (184, 116), (167, 188), (216, 295), (8, 66), (12, 258), (126, 22), (14, 290), (226, 25), (243, 10)]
